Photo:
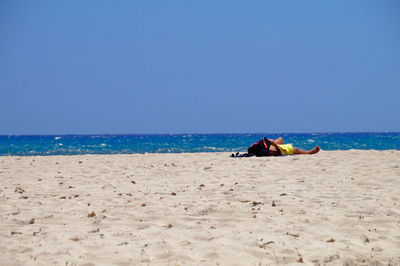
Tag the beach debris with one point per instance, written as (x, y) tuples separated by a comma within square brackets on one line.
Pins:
[(283, 194), (173, 194), (16, 213), (207, 168), (123, 243), (294, 235), (19, 190), (74, 238), (31, 221), (36, 233), (202, 185), (255, 203), (15, 233), (254, 216), (40, 179), (169, 226), (75, 196), (263, 245), (95, 231), (222, 185), (63, 197), (273, 204), (88, 204), (173, 164), (300, 259), (80, 162), (133, 182), (24, 197), (92, 214), (143, 204), (366, 239), (212, 227), (330, 240)]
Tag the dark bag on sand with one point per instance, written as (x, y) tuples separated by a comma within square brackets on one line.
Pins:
[(260, 148)]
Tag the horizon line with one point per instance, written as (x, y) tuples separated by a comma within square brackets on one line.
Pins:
[(154, 134)]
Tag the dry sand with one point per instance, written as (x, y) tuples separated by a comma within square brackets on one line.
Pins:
[(336, 207)]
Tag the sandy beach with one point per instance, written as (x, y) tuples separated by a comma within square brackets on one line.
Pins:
[(335, 207)]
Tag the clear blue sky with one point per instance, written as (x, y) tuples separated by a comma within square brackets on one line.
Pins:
[(90, 67)]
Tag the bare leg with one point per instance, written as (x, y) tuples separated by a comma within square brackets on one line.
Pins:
[(313, 151), (279, 140)]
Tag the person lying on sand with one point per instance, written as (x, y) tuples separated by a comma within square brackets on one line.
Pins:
[(278, 148), (270, 147)]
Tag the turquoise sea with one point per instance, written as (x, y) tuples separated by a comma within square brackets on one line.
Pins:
[(179, 143)]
